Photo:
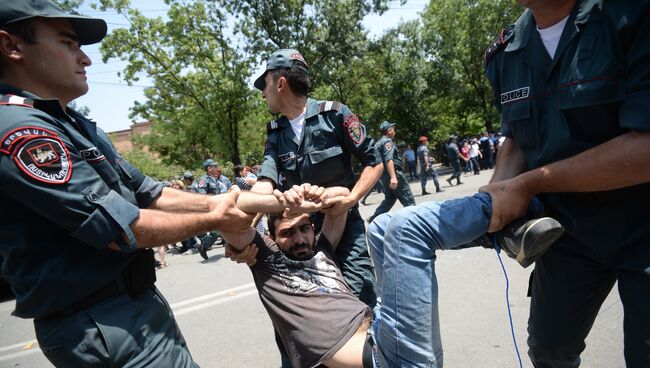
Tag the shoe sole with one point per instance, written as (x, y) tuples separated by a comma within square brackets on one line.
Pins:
[(530, 252)]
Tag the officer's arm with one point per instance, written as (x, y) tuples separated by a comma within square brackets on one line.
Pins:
[(621, 162), (510, 161)]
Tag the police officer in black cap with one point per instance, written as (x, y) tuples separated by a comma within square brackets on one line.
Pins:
[(77, 219), (393, 176), (313, 142)]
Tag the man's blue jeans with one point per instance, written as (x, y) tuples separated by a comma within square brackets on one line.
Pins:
[(406, 329)]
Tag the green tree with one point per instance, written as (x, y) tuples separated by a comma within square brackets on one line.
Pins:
[(456, 34), (200, 98)]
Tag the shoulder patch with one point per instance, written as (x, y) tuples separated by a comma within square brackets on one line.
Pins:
[(15, 136), (329, 106), (45, 159), (499, 43), (388, 145), (355, 129)]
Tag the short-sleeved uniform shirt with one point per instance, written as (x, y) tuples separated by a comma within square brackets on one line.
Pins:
[(210, 185), (309, 303), (452, 152), (423, 155), (323, 154), (596, 88), (66, 195)]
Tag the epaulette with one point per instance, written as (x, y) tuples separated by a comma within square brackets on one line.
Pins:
[(329, 106), (499, 43), (16, 100), (271, 126)]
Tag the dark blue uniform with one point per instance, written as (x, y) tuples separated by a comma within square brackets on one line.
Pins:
[(387, 151), (322, 156), (66, 195), (596, 88)]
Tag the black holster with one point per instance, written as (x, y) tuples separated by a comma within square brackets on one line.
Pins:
[(140, 274)]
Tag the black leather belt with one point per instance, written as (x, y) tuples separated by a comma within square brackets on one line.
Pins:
[(366, 356)]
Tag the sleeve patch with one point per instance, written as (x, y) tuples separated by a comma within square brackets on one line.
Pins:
[(44, 159), (356, 130), (10, 139), (388, 146)]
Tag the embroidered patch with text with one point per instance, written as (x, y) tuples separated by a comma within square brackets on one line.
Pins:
[(45, 159), (9, 140), (515, 95)]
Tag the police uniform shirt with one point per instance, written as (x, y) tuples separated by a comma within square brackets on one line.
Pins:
[(595, 88), (322, 156), (66, 196), (387, 151)]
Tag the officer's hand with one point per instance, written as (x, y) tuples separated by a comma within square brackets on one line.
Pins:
[(393, 183), (337, 205), (510, 201), (228, 216), (247, 255), (313, 193)]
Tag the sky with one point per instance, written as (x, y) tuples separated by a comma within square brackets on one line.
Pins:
[(110, 98)]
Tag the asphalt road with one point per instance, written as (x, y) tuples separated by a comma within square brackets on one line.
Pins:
[(225, 325)]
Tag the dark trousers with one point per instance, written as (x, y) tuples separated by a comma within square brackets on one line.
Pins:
[(121, 331), (568, 289), (353, 257), (402, 192), (412, 172), (456, 175)]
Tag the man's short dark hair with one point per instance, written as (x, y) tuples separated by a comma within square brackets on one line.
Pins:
[(23, 29), (275, 216), (296, 76)]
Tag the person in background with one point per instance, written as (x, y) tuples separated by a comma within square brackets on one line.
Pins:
[(411, 163)]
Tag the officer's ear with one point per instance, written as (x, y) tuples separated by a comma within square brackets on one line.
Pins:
[(10, 46), (282, 84)]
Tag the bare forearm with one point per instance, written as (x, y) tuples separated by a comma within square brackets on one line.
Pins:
[(264, 186), (173, 200), (367, 180), (390, 167), (510, 161), (621, 162), (250, 202), (154, 228)]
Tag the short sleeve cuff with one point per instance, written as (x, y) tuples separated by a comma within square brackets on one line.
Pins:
[(149, 190), (109, 222), (635, 111)]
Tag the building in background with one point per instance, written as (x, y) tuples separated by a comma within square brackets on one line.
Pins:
[(123, 139)]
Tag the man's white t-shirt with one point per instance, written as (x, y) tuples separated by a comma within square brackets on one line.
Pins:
[(551, 36), (297, 124)]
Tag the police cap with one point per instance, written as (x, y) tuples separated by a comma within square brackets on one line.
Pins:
[(88, 30), (281, 59), (209, 162), (385, 125), (188, 176), (423, 139)]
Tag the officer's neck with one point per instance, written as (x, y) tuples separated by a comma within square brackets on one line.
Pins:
[(549, 13), (30, 85), (294, 107)]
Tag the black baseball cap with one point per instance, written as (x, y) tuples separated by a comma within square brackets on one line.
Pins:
[(88, 30), (280, 59)]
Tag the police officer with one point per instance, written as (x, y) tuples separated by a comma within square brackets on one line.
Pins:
[(190, 184), (453, 154), (426, 166), (211, 183), (393, 176), (77, 218), (313, 142), (572, 84)]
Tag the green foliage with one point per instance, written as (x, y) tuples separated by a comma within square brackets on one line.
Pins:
[(151, 166), (425, 75)]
